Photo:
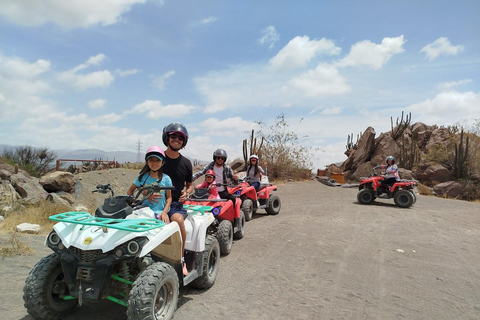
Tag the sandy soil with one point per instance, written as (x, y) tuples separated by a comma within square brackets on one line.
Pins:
[(323, 257)]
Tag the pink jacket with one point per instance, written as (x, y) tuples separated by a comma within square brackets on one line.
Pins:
[(212, 191)]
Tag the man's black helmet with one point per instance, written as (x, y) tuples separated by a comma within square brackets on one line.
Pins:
[(220, 153), (175, 127)]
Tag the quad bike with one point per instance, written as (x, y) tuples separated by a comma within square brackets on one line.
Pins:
[(229, 221), (124, 255), (401, 191), (252, 200)]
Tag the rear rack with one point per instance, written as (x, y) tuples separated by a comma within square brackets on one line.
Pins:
[(198, 208), (85, 219)]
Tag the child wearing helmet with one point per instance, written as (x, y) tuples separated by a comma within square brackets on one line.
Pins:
[(223, 173), (152, 173), (210, 184), (254, 172), (391, 171)]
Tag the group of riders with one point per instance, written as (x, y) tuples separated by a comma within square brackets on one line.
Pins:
[(170, 168)]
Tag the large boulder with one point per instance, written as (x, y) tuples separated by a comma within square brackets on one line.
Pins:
[(58, 181), (451, 189), (384, 146), (366, 144), (28, 187), (431, 174)]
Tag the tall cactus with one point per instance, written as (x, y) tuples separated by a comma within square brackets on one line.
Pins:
[(461, 157), (400, 126), (253, 147)]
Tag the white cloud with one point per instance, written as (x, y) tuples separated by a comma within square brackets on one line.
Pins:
[(448, 85), (97, 104), (334, 110), (67, 14), (446, 107), (161, 81), (155, 110), (21, 86), (128, 72), (300, 51), (230, 127), (373, 55), (324, 80), (270, 37), (84, 81), (209, 20), (441, 46)]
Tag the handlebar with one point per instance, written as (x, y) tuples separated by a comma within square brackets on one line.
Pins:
[(132, 199)]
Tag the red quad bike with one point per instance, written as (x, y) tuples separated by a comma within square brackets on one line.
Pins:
[(229, 221), (401, 191), (252, 200)]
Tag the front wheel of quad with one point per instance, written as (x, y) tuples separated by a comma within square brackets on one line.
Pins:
[(365, 196), (45, 288), (241, 232), (211, 263), (404, 198), (225, 237), (154, 293), (274, 205), (247, 208), (414, 196)]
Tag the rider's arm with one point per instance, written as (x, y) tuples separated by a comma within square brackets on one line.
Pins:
[(198, 174), (131, 189)]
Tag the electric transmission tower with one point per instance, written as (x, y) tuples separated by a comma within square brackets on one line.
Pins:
[(139, 148)]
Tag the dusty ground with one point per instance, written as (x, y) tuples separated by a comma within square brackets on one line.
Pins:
[(323, 257)]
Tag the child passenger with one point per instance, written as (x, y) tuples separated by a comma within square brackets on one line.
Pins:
[(210, 184), (152, 173)]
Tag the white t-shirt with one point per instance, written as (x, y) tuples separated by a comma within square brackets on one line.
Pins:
[(219, 177)]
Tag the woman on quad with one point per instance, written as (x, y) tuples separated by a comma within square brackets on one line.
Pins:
[(254, 172), (210, 184), (391, 172)]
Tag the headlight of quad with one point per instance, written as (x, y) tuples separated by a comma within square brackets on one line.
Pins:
[(130, 248), (53, 239)]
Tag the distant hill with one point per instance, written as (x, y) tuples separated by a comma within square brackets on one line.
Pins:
[(96, 154)]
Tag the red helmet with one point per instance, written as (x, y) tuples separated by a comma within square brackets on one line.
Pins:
[(210, 173)]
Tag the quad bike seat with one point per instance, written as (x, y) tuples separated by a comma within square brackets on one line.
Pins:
[(114, 208), (200, 193)]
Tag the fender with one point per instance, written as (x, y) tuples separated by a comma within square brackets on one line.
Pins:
[(93, 237), (165, 244)]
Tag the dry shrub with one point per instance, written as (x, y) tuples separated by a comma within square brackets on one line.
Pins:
[(15, 246), (133, 165), (35, 214), (424, 190)]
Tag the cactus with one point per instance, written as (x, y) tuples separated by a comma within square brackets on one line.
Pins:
[(253, 147), (400, 126), (350, 144), (460, 161)]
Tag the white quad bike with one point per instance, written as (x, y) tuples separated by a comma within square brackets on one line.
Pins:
[(122, 254)]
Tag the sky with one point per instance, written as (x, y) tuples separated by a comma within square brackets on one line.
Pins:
[(111, 74)]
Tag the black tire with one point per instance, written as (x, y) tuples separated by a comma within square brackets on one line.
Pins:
[(154, 293), (404, 198), (240, 233), (365, 196), (211, 263), (225, 237), (274, 205), (44, 290), (414, 196), (247, 208)]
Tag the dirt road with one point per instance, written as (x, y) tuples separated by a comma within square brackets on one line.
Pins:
[(324, 257)]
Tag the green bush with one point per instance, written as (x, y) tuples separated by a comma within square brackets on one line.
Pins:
[(36, 161)]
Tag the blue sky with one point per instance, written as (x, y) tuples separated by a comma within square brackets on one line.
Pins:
[(82, 74)]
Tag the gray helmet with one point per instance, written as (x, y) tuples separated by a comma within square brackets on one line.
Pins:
[(220, 153), (175, 127), (390, 158)]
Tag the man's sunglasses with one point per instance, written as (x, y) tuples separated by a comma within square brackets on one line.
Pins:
[(177, 136), (220, 158)]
